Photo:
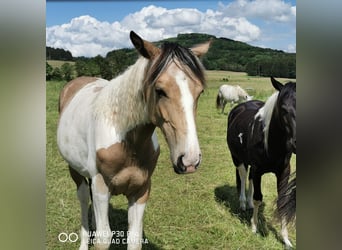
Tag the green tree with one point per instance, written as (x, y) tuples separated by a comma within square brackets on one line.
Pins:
[(67, 71), (57, 74), (48, 71)]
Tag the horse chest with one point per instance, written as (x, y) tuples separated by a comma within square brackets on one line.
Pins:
[(125, 169)]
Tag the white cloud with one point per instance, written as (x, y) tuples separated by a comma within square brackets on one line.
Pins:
[(271, 10), (291, 48), (87, 36)]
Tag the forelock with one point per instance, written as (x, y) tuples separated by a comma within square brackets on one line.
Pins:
[(182, 57)]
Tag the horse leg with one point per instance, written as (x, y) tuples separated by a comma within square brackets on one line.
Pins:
[(223, 106), (101, 198), (136, 207), (257, 199), (83, 197), (243, 174), (93, 223), (282, 182), (250, 191)]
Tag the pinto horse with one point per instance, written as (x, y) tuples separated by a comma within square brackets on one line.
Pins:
[(106, 131), (263, 136), (232, 94)]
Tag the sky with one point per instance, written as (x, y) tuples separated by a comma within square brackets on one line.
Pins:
[(91, 28)]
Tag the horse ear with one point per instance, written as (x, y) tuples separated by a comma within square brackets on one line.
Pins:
[(201, 49), (277, 85), (145, 48)]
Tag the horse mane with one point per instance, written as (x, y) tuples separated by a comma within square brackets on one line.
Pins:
[(265, 114), (182, 57), (118, 100)]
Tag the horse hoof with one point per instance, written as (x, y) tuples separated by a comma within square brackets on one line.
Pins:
[(288, 244), (250, 206)]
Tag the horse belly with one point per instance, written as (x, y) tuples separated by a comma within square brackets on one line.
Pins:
[(74, 136)]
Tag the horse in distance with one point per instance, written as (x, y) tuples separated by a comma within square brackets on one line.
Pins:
[(106, 131), (263, 136), (232, 94)]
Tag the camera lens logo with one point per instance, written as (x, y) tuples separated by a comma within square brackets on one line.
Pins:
[(64, 237)]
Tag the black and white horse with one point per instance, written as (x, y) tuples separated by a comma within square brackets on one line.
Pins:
[(263, 136)]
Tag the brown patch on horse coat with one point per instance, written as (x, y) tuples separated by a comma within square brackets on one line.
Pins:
[(71, 88), (127, 166)]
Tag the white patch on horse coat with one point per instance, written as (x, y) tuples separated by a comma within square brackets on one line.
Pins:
[(73, 137), (265, 114), (135, 224), (107, 134), (243, 175), (240, 136), (155, 141), (187, 101)]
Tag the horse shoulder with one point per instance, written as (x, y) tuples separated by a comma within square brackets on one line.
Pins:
[(71, 88)]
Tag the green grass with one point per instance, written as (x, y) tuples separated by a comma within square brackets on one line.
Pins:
[(197, 211)]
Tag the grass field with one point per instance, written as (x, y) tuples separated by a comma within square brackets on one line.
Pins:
[(57, 63), (197, 211)]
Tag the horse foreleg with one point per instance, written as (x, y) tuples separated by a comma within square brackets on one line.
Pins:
[(83, 197), (101, 198), (136, 208), (254, 220), (250, 192), (257, 199), (243, 174)]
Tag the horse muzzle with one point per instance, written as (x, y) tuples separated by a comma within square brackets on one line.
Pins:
[(191, 167)]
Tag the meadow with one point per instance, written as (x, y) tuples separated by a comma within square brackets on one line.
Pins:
[(196, 211)]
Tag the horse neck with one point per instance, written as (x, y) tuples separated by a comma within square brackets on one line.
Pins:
[(276, 134), (121, 102), (241, 92)]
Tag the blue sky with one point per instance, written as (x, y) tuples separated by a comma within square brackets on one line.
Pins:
[(89, 28), (58, 12)]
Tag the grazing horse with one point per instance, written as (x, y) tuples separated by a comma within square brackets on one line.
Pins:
[(263, 135), (106, 131), (232, 94)]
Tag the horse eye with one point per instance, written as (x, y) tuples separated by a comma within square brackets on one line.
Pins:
[(160, 92)]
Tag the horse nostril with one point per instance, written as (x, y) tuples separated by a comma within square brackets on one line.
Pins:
[(180, 165)]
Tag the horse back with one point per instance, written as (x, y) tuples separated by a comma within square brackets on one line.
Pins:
[(244, 112), (239, 120), (71, 88)]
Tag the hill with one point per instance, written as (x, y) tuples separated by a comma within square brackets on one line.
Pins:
[(227, 54), (224, 54)]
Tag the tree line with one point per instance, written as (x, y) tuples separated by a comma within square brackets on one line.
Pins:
[(106, 67), (224, 54)]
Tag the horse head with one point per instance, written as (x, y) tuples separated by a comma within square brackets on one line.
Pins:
[(287, 111), (173, 84)]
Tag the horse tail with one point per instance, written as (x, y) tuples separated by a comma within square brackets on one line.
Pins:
[(287, 202), (218, 100)]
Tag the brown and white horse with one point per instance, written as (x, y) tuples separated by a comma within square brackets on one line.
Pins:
[(106, 131)]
